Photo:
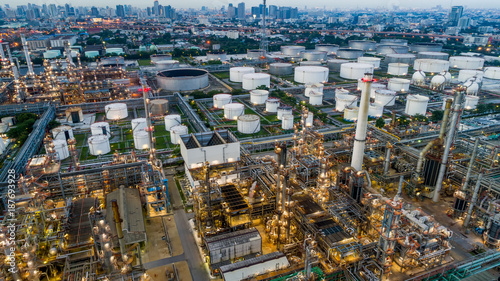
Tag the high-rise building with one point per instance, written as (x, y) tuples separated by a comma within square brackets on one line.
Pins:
[(463, 23), (231, 11), (241, 11), (120, 11), (273, 11), (156, 9), (94, 11), (53, 10), (255, 12), (455, 15), (148, 11)]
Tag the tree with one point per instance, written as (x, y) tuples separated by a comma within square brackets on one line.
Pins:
[(437, 115), (380, 123), (262, 87)]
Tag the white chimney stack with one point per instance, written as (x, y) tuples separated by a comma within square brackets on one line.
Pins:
[(27, 55), (360, 138)]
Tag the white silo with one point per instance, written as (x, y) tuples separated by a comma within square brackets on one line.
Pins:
[(471, 102), (280, 68), (397, 69), (418, 78), (252, 81), (313, 55), (315, 98), (375, 110), (342, 101), (370, 60), (292, 51), (400, 58), (431, 65), (416, 104), (373, 89), (466, 74), (492, 73), (463, 62), (318, 88), (62, 133), (176, 132), (100, 128), (221, 99), (172, 120), (99, 145), (116, 111), (141, 140), (311, 74), (310, 63), (351, 113), (331, 49), (433, 55), (139, 124), (334, 64), (61, 149), (284, 110), (287, 122), (310, 119), (258, 96), (355, 70), (399, 84), (236, 73), (385, 97), (248, 124), (233, 110), (272, 105)]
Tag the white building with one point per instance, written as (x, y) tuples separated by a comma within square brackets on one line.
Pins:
[(61, 41), (254, 266)]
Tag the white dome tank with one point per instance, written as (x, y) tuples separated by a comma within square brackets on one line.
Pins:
[(280, 68), (233, 110), (462, 62), (221, 99), (248, 124), (355, 70), (272, 105), (287, 122), (370, 60), (176, 132), (10, 121), (61, 148), (492, 73), (375, 110), (351, 113), (139, 124), (318, 88), (398, 84), (466, 74), (99, 145), (172, 120), (292, 51), (236, 73), (438, 82), (159, 107), (385, 97), (447, 76), (400, 58), (258, 96), (418, 78), (313, 55), (342, 101), (472, 87), (311, 74), (116, 111), (100, 128), (315, 98), (141, 140), (471, 102), (416, 104), (397, 69), (62, 133), (310, 119), (444, 101), (252, 81), (284, 110), (431, 65), (334, 64)]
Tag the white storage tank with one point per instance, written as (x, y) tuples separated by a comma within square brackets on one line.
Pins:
[(74, 115), (313, 55), (426, 47), (258, 96), (248, 124), (221, 99), (471, 102), (61, 148), (318, 88), (397, 42), (287, 122), (255, 54), (330, 49), (10, 121), (334, 64), (355, 70), (366, 45), (370, 60), (385, 97), (141, 140), (116, 111), (433, 55), (399, 84), (62, 133), (349, 53), (310, 119), (166, 64), (375, 110), (176, 132), (236, 73), (100, 128), (462, 62), (466, 74), (311, 74), (281, 69), (284, 110), (217, 56), (272, 105), (472, 87), (99, 145), (159, 107), (254, 80), (392, 49), (431, 65), (342, 101), (416, 104), (492, 72), (447, 76), (351, 113), (400, 58), (292, 51), (139, 124), (172, 120), (418, 78), (438, 82), (397, 69), (233, 110), (315, 98), (374, 87)]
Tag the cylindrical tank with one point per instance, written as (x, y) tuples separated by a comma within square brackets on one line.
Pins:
[(341, 91), (463, 62), (330, 49), (166, 64), (292, 51), (397, 69), (62, 133), (355, 70), (100, 128), (431, 65), (385, 97), (61, 148), (254, 80), (447, 76), (318, 88), (141, 140), (392, 49), (74, 114), (159, 107), (139, 124), (365, 45), (375, 110), (281, 69), (272, 105), (399, 84), (248, 124), (287, 122), (492, 72), (233, 110), (374, 88), (398, 42), (400, 58), (349, 54), (10, 121), (217, 56), (255, 54), (334, 64), (342, 101), (351, 113), (466, 74), (258, 96), (284, 110), (99, 145), (418, 78), (221, 99), (433, 55), (236, 73), (116, 111), (471, 102), (310, 119), (416, 104), (426, 47), (313, 55), (160, 57), (315, 98), (172, 120), (182, 79), (311, 63), (370, 60), (311, 74), (176, 132)]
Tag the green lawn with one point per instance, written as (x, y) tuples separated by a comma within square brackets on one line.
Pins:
[(221, 75), (144, 62)]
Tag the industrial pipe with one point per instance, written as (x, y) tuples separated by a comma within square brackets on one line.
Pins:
[(445, 118), (422, 155), (471, 164), (27, 56), (118, 223), (387, 160), (360, 137), (474, 198)]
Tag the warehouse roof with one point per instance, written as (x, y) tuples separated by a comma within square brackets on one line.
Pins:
[(252, 261), (232, 238)]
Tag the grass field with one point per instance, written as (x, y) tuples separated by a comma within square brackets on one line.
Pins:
[(144, 62)]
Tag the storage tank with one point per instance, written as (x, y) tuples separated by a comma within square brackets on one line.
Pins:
[(472, 87), (492, 72), (255, 54), (341, 91), (236, 73), (370, 60), (315, 98), (100, 128), (418, 78), (160, 57), (462, 62), (284, 110), (397, 69), (433, 55), (313, 55), (342, 101), (292, 51), (399, 84), (166, 64), (334, 64), (466, 74), (280, 69), (330, 49), (141, 140), (254, 80), (471, 102), (310, 63), (400, 58), (287, 122), (426, 47), (438, 82), (272, 105), (375, 110), (349, 54), (159, 107), (318, 88), (233, 110), (176, 132), (310, 119), (431, 65), (398, 42), (355, 70), (365, 45), (374, 87), (10, 120), (62, 133), (74, 114), (182, 79), (447, 76), (385, 97), (139, 124), (221, 99), (99, 145), (116, 111), (351, 113), (172, 120), (311, 74), (416, 104), (259, 96), (217, 56), (248, 124), (61, 148), (392, 49)]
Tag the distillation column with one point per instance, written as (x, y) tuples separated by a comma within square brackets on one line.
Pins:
[(360, 138)]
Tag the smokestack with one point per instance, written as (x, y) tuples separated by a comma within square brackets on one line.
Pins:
[(27, 55), (118, 222), (360, 138)]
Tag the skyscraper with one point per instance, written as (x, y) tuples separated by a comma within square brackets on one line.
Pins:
[(455, 15), (231, 11), (120, 11), (156, 9), (241, 11)]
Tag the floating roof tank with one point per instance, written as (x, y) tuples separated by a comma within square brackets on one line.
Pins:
[(400, 58), (62, 133), (182, 79), (385, 97), (313, 55), (116, 111), (280, 69), (397, 69), (462, 62), (343, 101), (139, 124), (141, 140), (334, 64), (370, 60), (233, 110), (221, 99), (492, 73), (331, 49), (466, 74), (431, 65), (99, 145), (365, 45), (172, 120), (433, 55), (348, 53), (287, 122), (61, 149), (318, 88), (315, 98), (426, 47), (392, 49), (176, 132), (292, 51), (159, 107), (398, 84), (272, 105)]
